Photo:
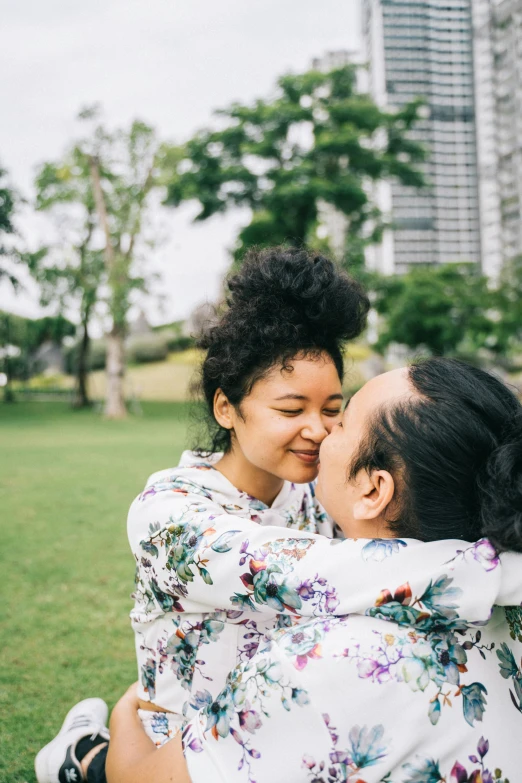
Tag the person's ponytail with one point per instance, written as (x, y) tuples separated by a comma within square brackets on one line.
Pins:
[(500, 489)]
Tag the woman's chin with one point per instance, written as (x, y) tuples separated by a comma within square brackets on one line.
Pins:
[(302, 474)]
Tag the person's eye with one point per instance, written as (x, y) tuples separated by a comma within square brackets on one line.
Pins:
[(331, 411), (291, 413)]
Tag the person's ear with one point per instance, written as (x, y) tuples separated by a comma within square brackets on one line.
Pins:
[(223, 410), (376, 492)]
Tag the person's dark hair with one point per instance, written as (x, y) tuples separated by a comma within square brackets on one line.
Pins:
[(455, 448), (283, 303)]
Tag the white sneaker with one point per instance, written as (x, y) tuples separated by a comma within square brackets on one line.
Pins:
[(57, 762)]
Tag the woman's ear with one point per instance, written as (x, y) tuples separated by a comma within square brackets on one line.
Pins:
[(223, 410), (376, 492)]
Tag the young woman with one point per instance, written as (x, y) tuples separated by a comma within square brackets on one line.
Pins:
[(272, 383), (422, 681)]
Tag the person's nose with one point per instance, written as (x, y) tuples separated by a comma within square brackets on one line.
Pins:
[(314, 429)]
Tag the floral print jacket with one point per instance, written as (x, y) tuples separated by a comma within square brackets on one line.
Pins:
[(217, 572), (424, 686), (187, 641)]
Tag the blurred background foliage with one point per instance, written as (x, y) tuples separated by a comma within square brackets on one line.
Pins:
[(315, 144)]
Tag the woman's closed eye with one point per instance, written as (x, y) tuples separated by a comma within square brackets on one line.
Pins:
[(295, 412)]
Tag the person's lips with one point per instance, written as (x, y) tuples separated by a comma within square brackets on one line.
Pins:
[(308, 456)]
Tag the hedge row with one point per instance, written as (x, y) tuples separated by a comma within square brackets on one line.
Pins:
[(139, 350)]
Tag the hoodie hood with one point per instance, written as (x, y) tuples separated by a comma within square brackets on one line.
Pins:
[(199, 476)]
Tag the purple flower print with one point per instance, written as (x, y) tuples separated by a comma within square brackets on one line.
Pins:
[(369, 668), (483, 552), (249, 719), (332, 602), (149, 492), (482, 749), (459, 773), (306, 590)]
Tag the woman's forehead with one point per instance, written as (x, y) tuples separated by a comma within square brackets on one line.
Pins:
[(301, 377)]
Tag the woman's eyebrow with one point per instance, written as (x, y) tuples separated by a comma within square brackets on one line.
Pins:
[(291, 397), (304, 397)]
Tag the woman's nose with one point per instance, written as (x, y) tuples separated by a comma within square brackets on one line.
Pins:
[(315, 429)]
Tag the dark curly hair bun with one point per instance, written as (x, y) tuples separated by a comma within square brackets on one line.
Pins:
[(294, 289), (284, 302)]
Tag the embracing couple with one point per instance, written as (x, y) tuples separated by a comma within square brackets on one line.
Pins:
[(321, 595)]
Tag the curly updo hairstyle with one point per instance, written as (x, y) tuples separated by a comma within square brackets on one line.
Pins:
[(283, 303)]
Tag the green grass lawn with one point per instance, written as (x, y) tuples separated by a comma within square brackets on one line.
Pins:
[(66, 481)]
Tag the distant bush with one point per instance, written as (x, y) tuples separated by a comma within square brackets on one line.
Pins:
[(181, 343), (46, 382), (95, 361), (176, 340), (147, 348), (140, 349)]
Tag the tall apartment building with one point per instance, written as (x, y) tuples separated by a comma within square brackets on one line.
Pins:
[(425, 48), (487, 138), (506, 36)]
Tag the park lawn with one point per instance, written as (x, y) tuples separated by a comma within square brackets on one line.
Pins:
[(66, 481)]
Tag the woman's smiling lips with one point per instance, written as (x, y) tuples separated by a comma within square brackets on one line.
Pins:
[(307, 455)]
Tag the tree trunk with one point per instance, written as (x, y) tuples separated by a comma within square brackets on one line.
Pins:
[(8, 390), (115, 371), (115, 365), (82, 396)]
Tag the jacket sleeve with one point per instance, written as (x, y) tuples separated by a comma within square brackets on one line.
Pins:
[(193, 557)]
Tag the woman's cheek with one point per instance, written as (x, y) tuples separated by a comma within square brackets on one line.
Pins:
[(330, 423)]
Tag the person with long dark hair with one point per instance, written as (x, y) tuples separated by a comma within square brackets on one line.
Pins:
[(421, 680)]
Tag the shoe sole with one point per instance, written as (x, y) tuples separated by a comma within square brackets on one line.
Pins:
[(41, 762)]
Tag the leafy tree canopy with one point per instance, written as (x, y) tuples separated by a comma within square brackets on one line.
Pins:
[(7, 208), (439, 308), (316, 140), (30, 333), (507, 329)]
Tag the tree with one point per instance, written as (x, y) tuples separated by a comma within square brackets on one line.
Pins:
[(507, 326), (123, 168), (438, 308), (317, 141), (7, 208), (108, 177), (70, 273)]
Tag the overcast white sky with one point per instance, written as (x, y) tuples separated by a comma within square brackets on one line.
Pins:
[(165, 61)]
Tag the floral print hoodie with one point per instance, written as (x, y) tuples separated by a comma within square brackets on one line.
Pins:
[(185, 642), (422, 686), (380, 660)]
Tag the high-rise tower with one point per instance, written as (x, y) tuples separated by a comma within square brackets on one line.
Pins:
[(506, 34), (425, 48)]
